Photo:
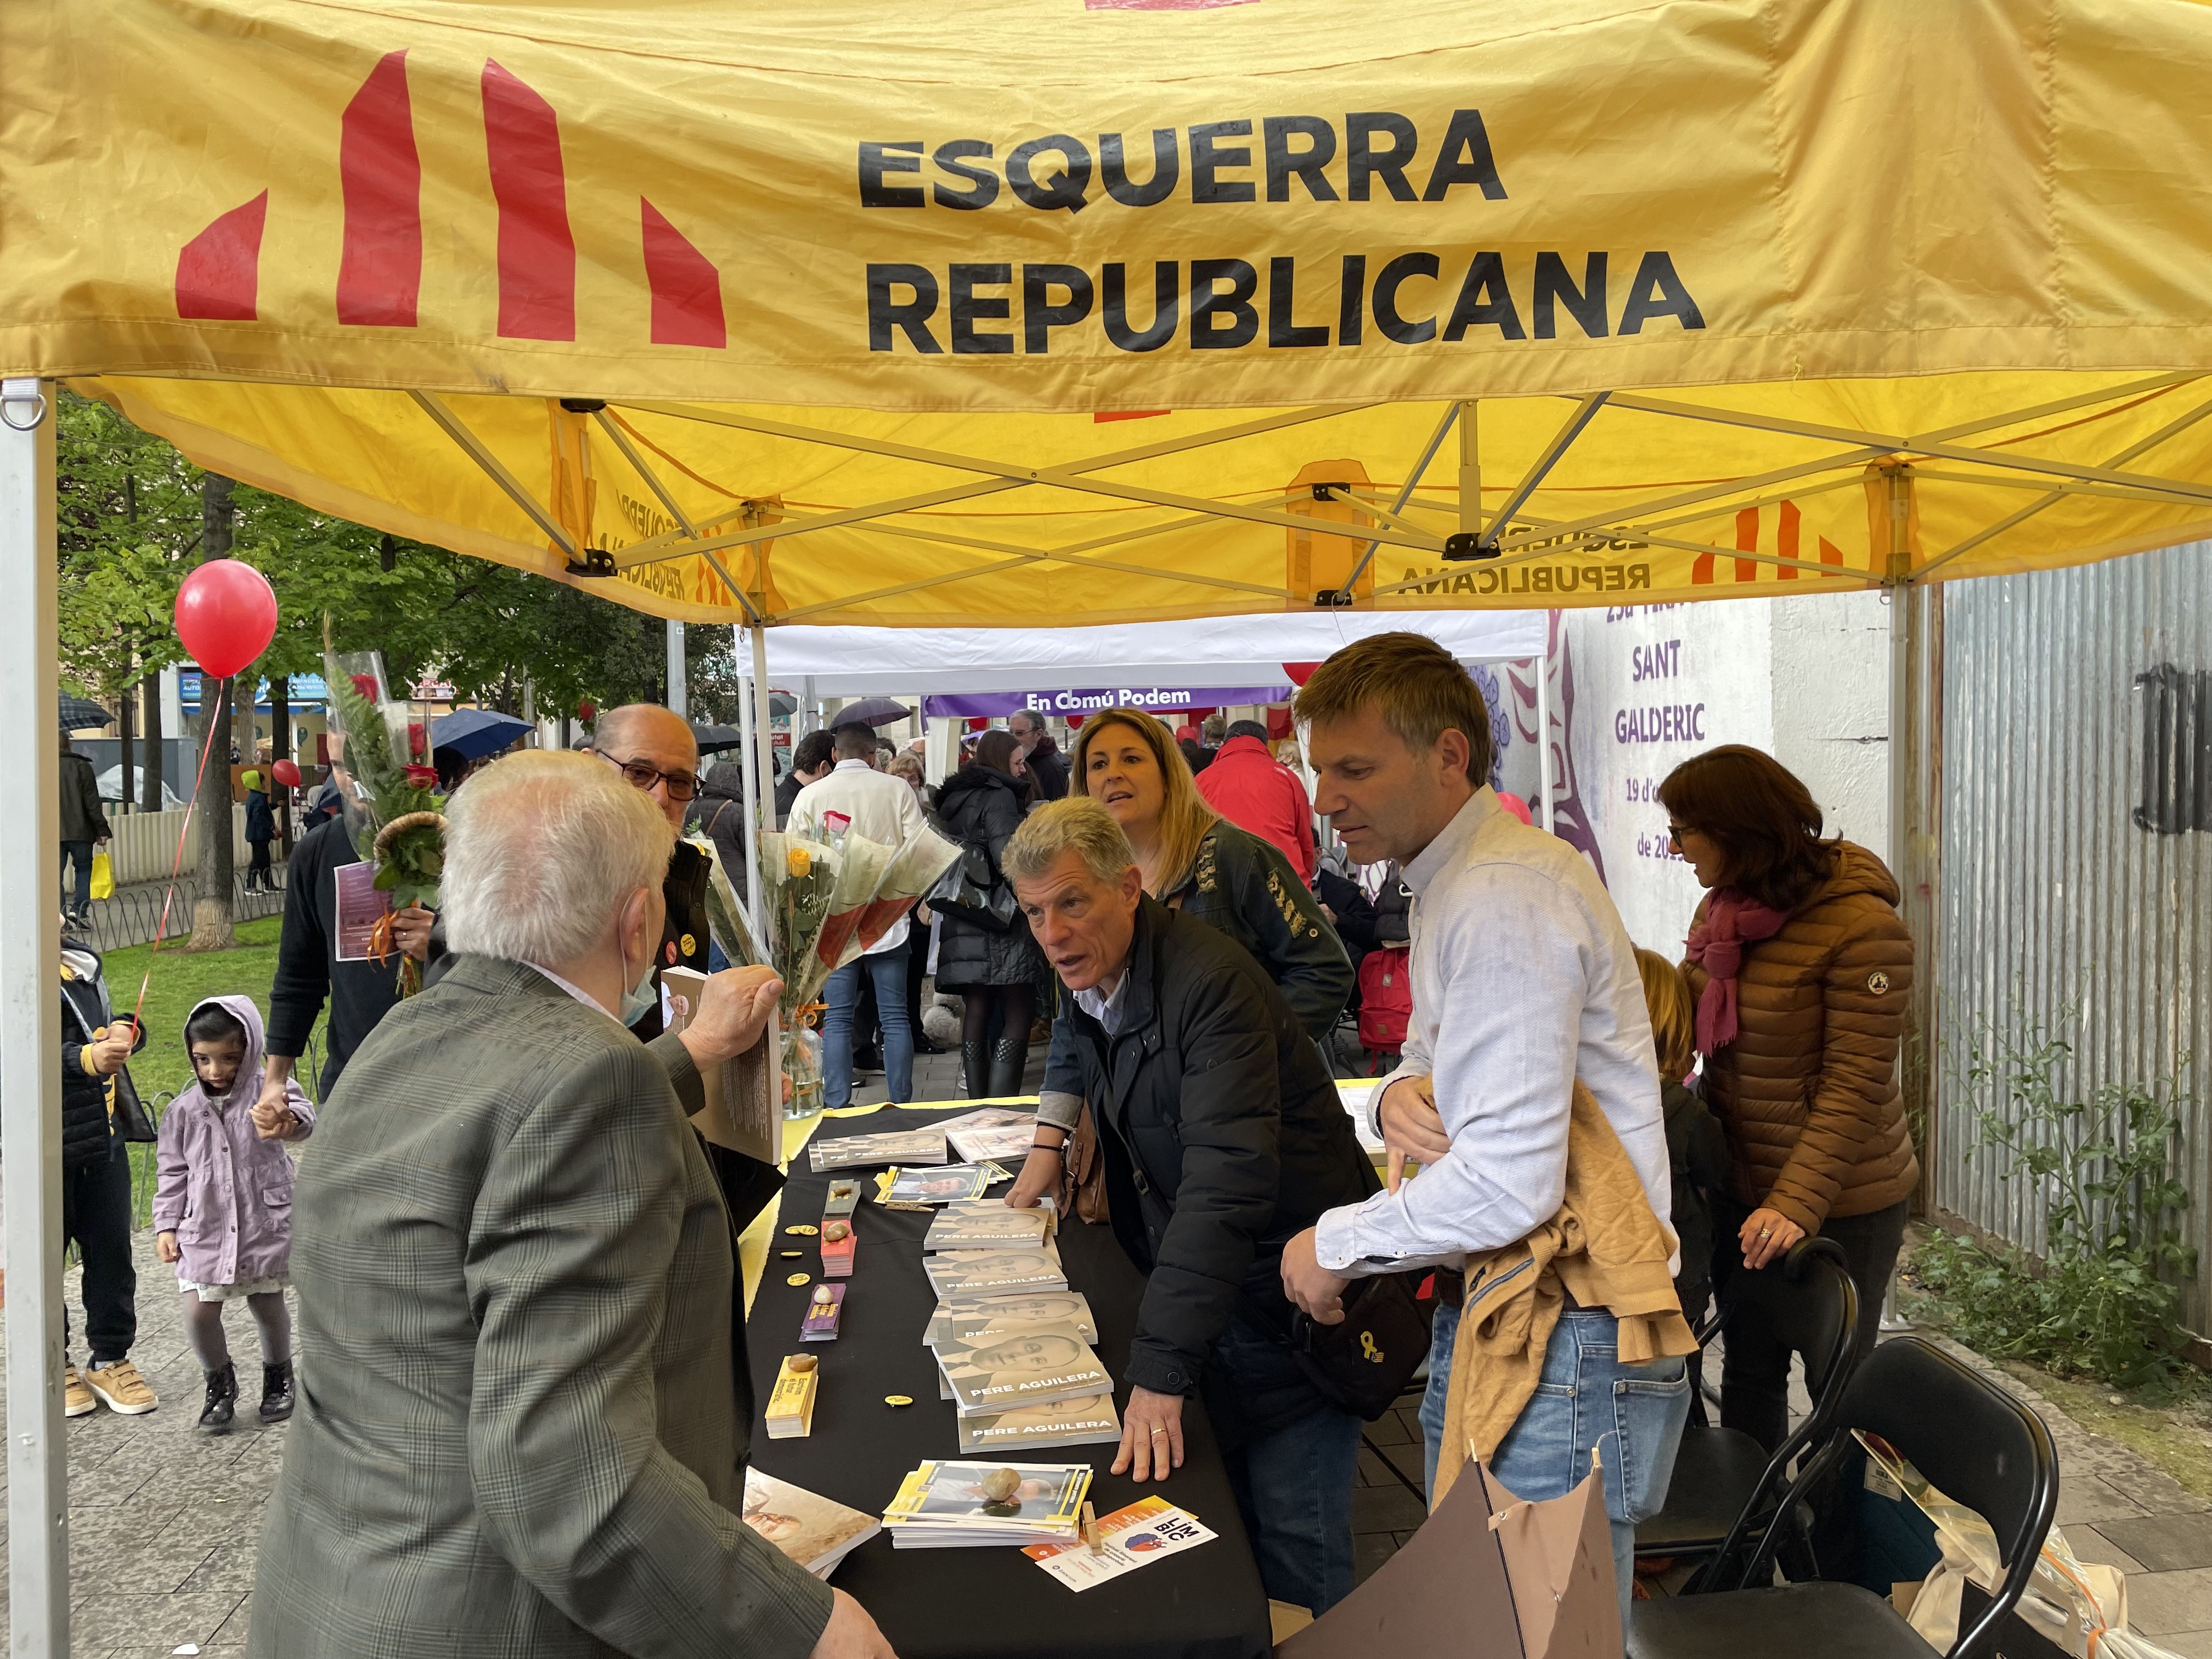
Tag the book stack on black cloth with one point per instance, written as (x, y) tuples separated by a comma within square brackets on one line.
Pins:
[(949, 1506)]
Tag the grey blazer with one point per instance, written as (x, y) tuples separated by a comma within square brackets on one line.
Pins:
[(520, 1428)]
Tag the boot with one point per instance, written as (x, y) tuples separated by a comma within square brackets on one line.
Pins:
[(1010, 1056), (975, 1069), (276, 1391), (221, 1399)]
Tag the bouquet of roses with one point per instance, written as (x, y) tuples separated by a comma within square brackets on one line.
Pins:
[(395, 822)]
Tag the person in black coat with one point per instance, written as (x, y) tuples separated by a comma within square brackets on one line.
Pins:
[(993, 972), (1222, 1137), (96, 1188), (261, 830), (1047, 765)]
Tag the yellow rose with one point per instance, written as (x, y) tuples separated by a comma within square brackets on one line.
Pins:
[(799, 861)]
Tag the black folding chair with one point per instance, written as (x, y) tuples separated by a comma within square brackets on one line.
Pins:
[(1725, 1481), (1972, 1441)]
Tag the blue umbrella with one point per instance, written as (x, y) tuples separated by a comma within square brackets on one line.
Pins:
[(472, 733)]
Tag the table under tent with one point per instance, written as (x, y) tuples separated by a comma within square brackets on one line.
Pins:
[(791, 315)]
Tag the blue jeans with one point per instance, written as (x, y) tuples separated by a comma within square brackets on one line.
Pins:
[(1294, 1486), (1630, 1416), (79, 853), (841, 994)]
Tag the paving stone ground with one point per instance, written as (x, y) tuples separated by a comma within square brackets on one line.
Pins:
[(164, 1522)]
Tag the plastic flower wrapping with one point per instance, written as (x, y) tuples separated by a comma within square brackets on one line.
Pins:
[(394, 817)]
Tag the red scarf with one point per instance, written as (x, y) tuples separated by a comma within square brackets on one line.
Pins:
[(1732, 920)]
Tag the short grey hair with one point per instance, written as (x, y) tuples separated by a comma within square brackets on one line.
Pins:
[(1076, 824), (543, 848)]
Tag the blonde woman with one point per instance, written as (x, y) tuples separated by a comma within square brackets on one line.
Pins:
[(1199, 863), (1697, 1150)]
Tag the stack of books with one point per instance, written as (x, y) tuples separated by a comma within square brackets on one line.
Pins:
[(949, 1506), (892, 1146), (993, 1132), (812, 1530), (979, 1272)]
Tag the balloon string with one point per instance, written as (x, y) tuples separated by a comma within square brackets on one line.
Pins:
[(177, 862)]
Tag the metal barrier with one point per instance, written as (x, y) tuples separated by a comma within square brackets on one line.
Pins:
[(131, 916)]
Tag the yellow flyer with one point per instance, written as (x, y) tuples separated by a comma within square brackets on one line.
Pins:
[(1146, 1531)]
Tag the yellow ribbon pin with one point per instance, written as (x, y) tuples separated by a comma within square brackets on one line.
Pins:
[(1367, 1349)]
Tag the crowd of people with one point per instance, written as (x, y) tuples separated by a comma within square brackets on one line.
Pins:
[(523, 1418)]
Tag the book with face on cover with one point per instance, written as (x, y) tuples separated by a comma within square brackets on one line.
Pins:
[(993, 1132), (892, 1146), (810, 1529), (951, 1183), (996, 1370), (739, 1112), (965, 1315), (1054, 1423), (985, 1225), (973, 1273)]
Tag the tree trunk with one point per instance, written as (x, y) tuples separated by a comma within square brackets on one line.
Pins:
[(280, 748), (211, 910), (125, 727), (150, 799)]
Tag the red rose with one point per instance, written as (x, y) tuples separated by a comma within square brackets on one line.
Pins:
[(423, 777), (366, 684)]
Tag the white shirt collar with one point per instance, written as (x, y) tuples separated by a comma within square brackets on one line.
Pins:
[(854, 765), (1104, 1005), (1452, 840), (573, 989)]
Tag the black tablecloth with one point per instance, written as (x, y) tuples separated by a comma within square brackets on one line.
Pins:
[(1206, 1603)]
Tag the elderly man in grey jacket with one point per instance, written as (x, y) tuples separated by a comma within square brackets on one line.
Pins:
[(523, 1407)]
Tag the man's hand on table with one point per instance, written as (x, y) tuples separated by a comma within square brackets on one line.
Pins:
[(1412, 1128), (1315, 1291), (850, 1634), (1040, 1175), (1151, 1436), (734, 1008)]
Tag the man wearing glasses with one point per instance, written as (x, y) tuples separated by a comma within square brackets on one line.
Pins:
[(655, 750)]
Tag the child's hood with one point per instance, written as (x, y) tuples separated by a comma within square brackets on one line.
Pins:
[(242, 1010)]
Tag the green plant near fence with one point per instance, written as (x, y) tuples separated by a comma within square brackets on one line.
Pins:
[(2101, 1299)]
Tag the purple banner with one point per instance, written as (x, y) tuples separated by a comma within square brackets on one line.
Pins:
[(1156, 699)]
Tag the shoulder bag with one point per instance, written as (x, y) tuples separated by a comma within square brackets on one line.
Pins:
[(1362, 1364), (973, 890)]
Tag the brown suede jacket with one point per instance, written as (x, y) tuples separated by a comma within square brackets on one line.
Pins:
[(1808, 1091)]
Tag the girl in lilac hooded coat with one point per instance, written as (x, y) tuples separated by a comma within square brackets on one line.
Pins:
[(222, 1206)]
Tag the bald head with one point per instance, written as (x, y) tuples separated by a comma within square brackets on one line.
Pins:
[(659, 738)]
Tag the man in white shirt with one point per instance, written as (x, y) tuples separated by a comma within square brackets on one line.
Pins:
[(1523, 981), (882, 808)]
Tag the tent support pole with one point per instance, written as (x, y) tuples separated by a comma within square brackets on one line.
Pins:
[(1470, 471), (1916, 789), (764, 758), (477, 450), (755, 818), (1544, 724), (679, 690), (30, 1030)]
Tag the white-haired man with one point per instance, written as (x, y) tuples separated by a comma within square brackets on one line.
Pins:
[(523, 1428)]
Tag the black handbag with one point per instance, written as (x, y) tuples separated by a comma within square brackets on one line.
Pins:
[(132, 1121), (1362, 1364), (972, 890)]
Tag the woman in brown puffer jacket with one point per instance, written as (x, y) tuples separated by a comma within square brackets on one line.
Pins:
[(1801, 967)]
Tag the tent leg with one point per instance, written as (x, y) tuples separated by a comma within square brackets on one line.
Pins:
[(755, 818), (1544, 727), (1915, 796), (30, 1030), (764, 736), (679, 690)]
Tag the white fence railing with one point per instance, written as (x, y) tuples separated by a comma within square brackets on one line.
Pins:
[(145, 843)]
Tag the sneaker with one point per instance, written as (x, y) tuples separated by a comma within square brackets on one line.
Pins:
[(120, 1387), (77, 1399), (222, 1400)]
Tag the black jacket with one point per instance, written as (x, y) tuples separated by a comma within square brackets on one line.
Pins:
[(82, 819), (684, 937), (88, 1136), (1049, 768), (360, 993), (718, 813), (260, 821), (1224, 1136), (981, 808)]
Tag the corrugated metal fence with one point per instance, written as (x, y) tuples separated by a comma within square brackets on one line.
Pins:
[(2068, 725)]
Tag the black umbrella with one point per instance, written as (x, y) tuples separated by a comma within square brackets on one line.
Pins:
[(82, 711), (712, 739), (872, 711)]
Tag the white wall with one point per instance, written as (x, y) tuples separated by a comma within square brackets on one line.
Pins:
[(1832, 708)]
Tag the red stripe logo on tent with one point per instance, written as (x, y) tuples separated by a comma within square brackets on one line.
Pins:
[(1789, 531), (380, 272), (687, 289), (219, 270), (537, 253)]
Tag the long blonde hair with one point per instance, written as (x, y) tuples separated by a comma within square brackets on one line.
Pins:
[(1184, 816), (1674, 1017)]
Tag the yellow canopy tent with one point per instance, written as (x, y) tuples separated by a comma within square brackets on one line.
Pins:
[(1169, 307)]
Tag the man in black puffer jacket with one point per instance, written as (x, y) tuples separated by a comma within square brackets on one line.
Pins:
[(1223, 1135)]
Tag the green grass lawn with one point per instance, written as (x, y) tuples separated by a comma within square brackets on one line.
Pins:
[(181, 978)]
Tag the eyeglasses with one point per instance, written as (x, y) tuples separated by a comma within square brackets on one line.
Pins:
[(1676, 832), (681, 786)]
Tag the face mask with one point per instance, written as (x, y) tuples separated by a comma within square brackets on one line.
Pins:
[(641, 998)]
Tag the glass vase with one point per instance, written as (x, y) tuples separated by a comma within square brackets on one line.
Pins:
[(802, 1064)]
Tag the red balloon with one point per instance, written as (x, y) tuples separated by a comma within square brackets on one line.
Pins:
[(288, 773), (226, 616), (1299, 673), (587, 711)]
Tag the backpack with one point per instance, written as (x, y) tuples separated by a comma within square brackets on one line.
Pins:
[(1386, 998)]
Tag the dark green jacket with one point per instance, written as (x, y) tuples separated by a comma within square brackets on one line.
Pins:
[(523, 1410), (1244, 887)]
